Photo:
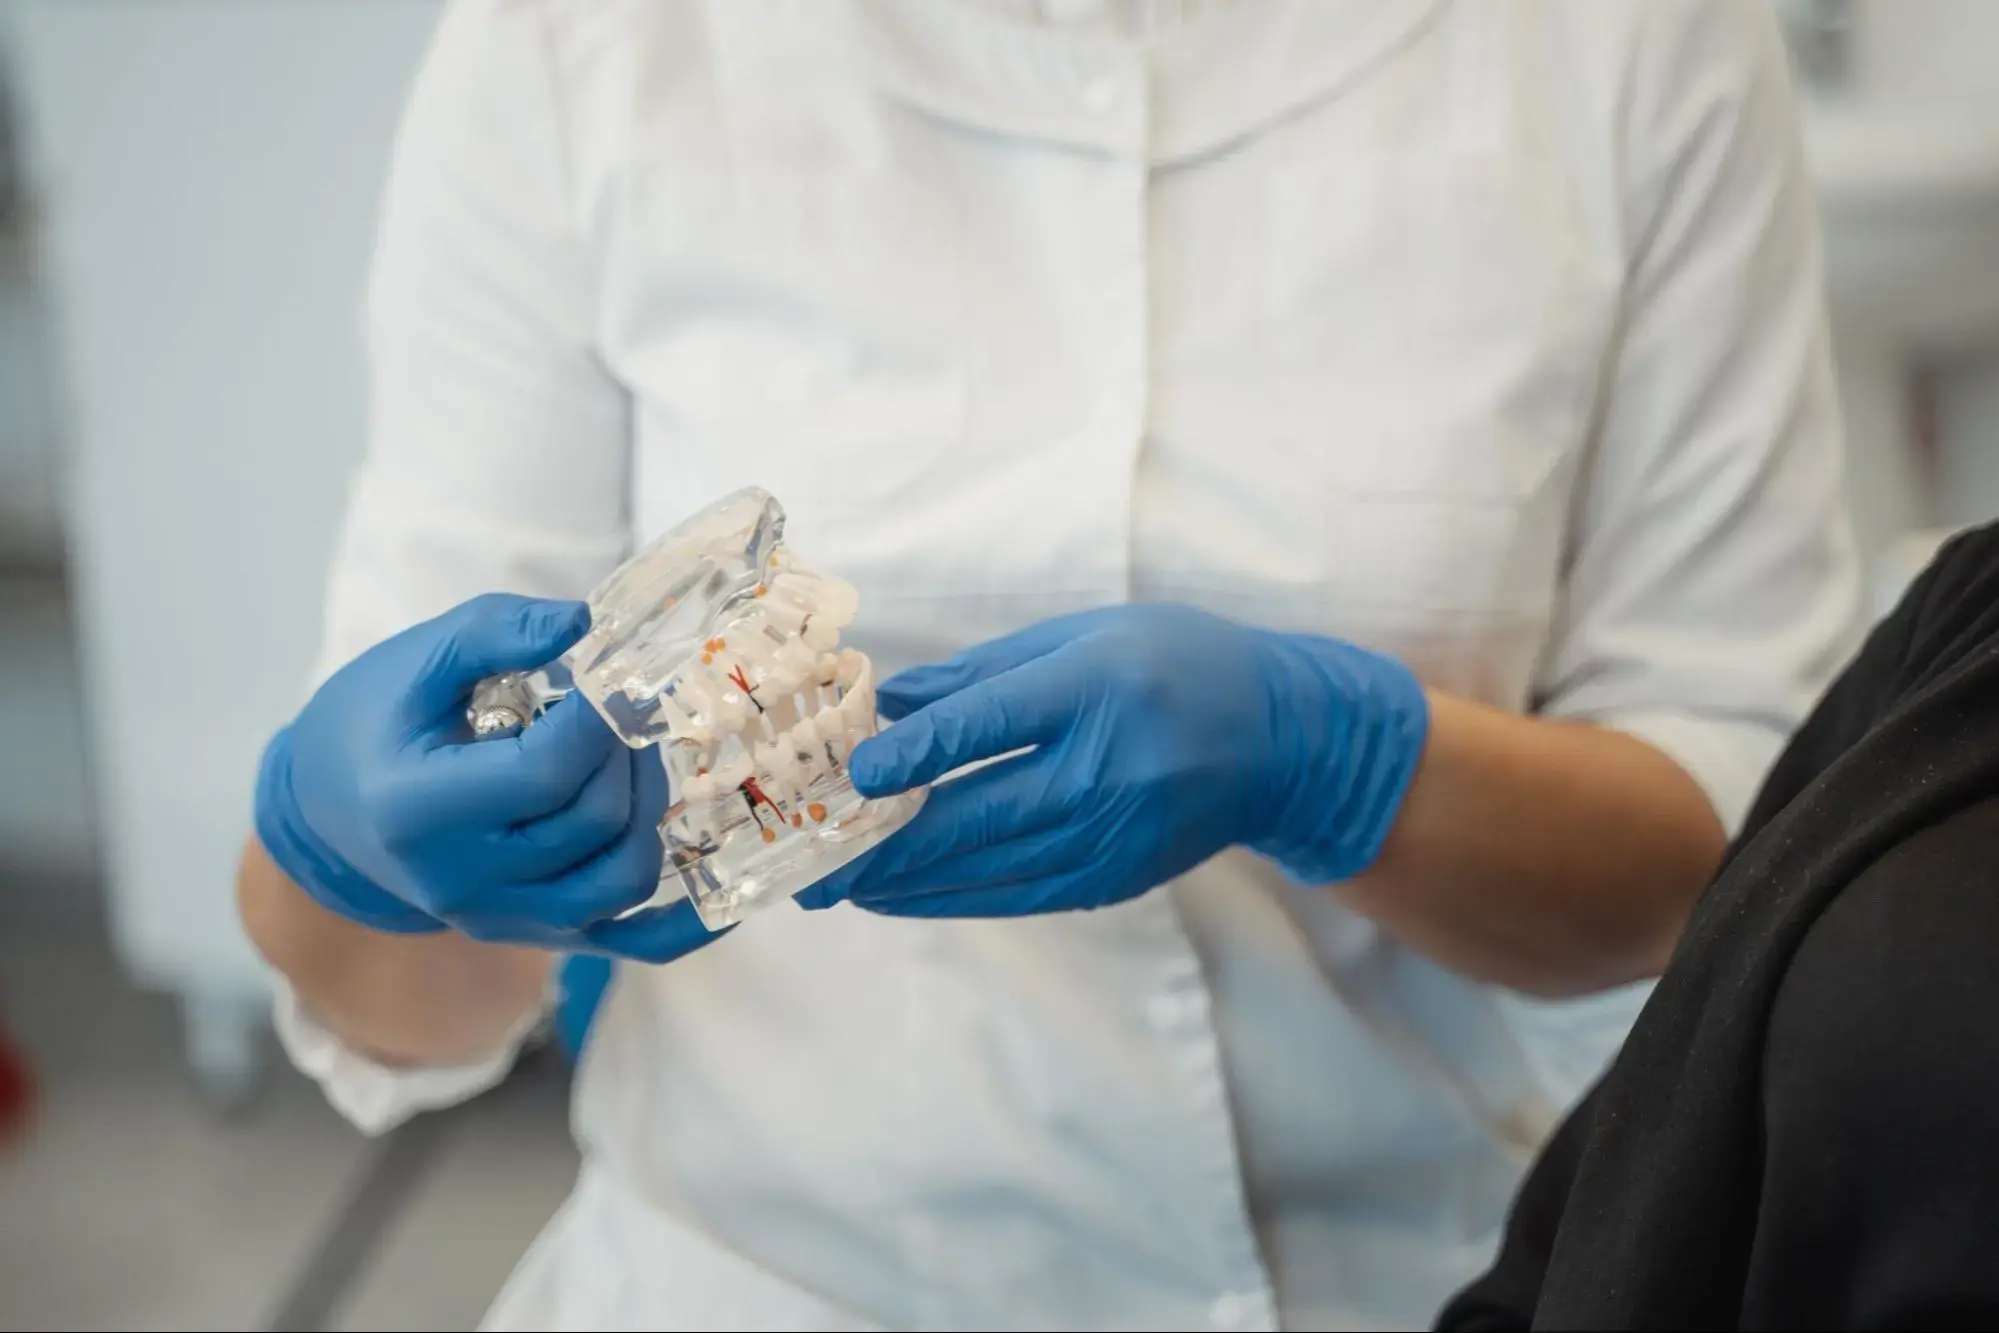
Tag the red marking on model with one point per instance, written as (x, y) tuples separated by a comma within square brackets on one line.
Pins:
[(756, 794)]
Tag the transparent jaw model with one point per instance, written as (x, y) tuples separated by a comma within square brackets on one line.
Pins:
[(717, 645)]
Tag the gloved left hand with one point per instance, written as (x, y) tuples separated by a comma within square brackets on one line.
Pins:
[(1162, 735)]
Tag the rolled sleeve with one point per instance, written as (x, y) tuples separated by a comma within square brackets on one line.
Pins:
[(499, 452), (1713, 585), (1727, 758), (376, 1097)]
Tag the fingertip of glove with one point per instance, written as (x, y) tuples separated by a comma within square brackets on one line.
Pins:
[(817, 897), (657, 935), (563, 621), (875, 767)]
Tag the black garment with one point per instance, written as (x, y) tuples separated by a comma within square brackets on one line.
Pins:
[(1803, 1129)]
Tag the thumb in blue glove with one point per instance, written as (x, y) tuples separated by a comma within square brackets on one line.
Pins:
[(377, 802), (1160, 735)]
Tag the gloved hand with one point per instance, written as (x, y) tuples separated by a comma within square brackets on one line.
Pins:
[(1162, 735), (377, 802)]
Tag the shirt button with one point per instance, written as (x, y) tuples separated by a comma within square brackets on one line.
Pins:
[(1100, 95), (1230, 1310)]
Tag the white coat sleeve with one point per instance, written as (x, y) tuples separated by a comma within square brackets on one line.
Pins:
[(1712, 587), (497, 454)]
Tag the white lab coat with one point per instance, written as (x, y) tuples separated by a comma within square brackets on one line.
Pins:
[(1488, 334)]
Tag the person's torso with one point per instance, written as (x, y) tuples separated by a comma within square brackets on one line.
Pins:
[(1296, 312)]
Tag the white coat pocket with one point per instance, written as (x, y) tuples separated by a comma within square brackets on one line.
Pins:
[(1450, 317)]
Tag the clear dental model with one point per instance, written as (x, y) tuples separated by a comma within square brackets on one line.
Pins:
[(720, 647)]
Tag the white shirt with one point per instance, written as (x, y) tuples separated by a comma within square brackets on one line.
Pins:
[(1487, 334)]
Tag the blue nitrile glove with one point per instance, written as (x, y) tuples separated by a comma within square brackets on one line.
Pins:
[(581, 981), (378, 803), (1162, 735)]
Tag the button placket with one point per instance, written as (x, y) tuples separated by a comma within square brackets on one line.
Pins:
[(1131, 390), (1179, 1009)]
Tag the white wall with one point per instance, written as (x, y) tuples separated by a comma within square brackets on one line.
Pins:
[(1927, 50), (208, 172), (30, 526), (46, 826), (1968, 420), (45, 822), (1930, 51)]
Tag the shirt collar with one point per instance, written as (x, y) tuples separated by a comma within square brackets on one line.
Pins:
[(1192, 87)]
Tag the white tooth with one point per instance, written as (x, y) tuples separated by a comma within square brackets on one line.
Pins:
[(821, 633), (797, 777), (769, 756), (825, 595), (732, 708), (778, 685), (805, 736), (852, 667), (675, 719), (757, 654), (698, 790), (813, 760), (829, 668), (796, 659), (786, 671), (857, 711), (742, 664), (797, 586), (733, 774), (838, 601), (833, 736), (783, 614), (692, 688)]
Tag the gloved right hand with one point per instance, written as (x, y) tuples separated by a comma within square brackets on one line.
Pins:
[(377, 802)]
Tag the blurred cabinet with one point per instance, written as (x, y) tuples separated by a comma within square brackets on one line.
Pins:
[(207, 174)]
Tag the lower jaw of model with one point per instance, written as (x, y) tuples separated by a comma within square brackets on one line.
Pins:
[(719, 647)]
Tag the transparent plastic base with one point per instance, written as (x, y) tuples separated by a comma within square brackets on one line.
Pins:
[(720, 648)]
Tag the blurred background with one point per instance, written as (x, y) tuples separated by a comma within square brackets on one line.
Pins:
[(187, 191)]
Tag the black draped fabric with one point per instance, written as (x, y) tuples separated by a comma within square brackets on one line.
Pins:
[(1803, 1128)]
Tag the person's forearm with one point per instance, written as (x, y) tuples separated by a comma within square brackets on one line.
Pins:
[(403, 999), (1552, 857)]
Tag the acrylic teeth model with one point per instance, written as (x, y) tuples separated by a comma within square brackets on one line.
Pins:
[(716, 644)]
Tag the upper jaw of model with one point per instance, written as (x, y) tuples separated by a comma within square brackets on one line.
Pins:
[(718, 645)]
